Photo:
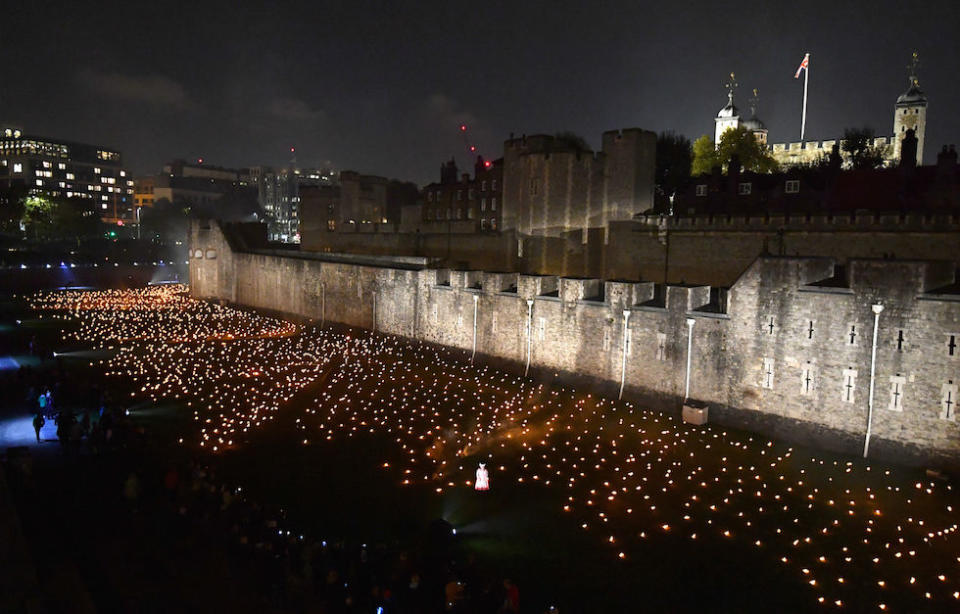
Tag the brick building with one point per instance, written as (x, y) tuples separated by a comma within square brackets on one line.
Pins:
[(460, 197)]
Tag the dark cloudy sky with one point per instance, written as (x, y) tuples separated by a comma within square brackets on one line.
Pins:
[(381, 87)]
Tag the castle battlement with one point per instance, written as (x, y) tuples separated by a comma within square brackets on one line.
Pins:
[(785, 350), (866, 221)]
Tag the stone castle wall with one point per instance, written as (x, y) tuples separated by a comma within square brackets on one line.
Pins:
[(782, 352), (704, 249)]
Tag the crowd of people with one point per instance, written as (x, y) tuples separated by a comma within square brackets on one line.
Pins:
[(306, 573)]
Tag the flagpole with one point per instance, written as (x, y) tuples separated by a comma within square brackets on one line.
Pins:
[(806, 79)]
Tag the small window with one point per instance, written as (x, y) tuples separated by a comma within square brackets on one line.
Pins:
[(459, 194), (331, 225), (470, 194), (483, 224), (17, 167), (702, 189), (483, 204), (792, 186), (493, 203), (493, 185), (483, 186), (534, 186), (744, 189), (429, 197), (493, 223)]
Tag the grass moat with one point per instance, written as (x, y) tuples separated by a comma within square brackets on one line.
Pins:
[(365, 448)]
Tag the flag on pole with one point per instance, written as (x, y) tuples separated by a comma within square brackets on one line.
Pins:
[(804, 65)]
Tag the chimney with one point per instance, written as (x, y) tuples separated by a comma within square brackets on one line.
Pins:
[(946, 165), (733, 173)]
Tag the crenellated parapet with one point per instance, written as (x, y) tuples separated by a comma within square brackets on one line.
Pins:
[(786, 349)]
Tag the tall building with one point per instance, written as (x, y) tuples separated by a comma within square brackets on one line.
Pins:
[(188, 184), (278, 193), (353, 202), (59, 168)]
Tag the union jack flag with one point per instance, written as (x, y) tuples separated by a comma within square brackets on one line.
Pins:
[(803, 65)]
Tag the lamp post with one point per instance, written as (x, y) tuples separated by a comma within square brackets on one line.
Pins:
[(686, 386), (529, 331), (476, 300), (623, 366), (877, 310)]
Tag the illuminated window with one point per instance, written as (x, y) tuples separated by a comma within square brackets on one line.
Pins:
[(483, 224), (96, 170), (483, 204), (62, 166), (70, 176), (493, 203), (46, 164), (103, 206), (40, 182)]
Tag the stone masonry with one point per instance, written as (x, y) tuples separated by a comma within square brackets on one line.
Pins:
[(786, 350)]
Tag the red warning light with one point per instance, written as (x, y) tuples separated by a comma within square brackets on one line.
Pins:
[(463, 127), (488, 164), (293, 149), (473, 148), (199, 160), (119, 222)]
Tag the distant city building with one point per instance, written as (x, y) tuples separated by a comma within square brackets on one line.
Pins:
[(59, 168), (278, 193), (460, 197), (354, 202), (188, 184)]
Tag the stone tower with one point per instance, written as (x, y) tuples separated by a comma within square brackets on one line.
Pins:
[(910, 113), (729, 116)]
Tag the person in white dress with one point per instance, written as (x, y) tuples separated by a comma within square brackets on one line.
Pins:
[(483, 478)]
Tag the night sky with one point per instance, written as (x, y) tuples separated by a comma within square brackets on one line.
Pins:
[(382, 87)]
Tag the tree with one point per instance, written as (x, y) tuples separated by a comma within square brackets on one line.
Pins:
[(738, 142), (38, 216), (572, 140), (165, 221), (752, 154), (704, 156), (674, 157), (858, 144), (11, 208), (47, 218)]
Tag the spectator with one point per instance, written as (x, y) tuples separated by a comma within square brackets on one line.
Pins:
[(38, 422)]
